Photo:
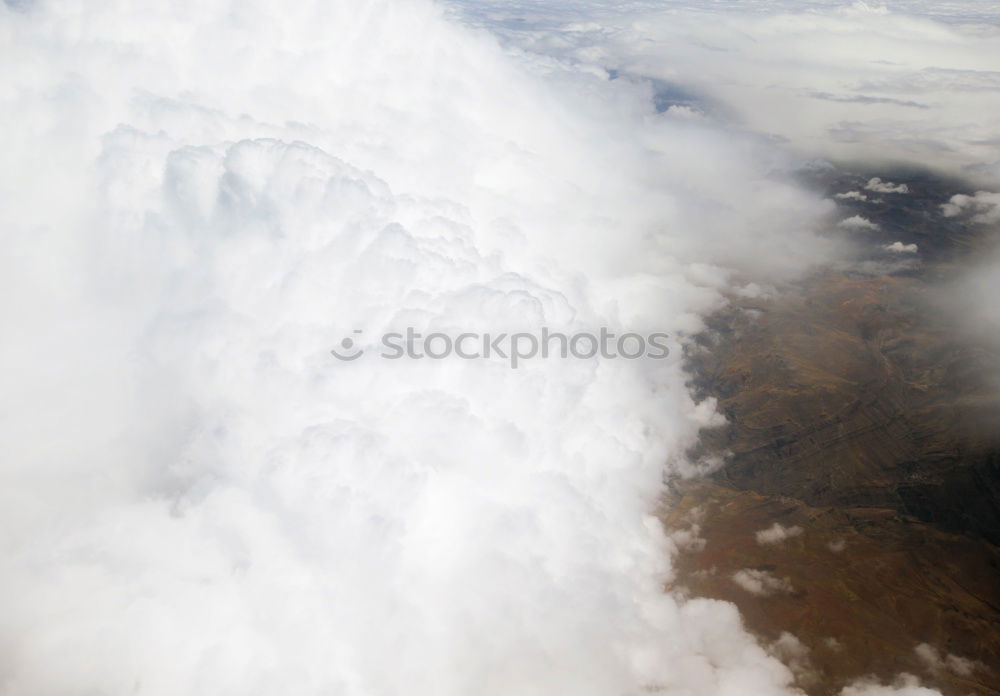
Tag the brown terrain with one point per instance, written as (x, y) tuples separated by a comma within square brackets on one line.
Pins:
[(861, 418)]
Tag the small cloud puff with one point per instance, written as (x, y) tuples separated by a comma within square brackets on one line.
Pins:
[(936, 663), (762, 583), (684, 112), (753, 290), (876, 184), (857, 222), (689, 539), (900, 248), (837, 545), (852, 195), (776, 534)]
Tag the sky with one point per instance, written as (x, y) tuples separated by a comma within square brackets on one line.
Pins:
[(201, 199)]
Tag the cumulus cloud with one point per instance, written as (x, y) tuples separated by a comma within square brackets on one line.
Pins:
[(202, 200), (876, 184), (937, 663), (982, 208), (682, 111), (900, 248), (756, 290), (688, 538), (858, 222), (852, 196), (777, 534), (762, 583)]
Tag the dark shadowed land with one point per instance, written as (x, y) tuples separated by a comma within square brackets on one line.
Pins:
[(866, 422)]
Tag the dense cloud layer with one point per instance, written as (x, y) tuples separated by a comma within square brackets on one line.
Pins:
[(204, 198), (913, 83)]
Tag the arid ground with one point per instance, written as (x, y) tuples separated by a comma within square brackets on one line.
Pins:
[(864, 422)]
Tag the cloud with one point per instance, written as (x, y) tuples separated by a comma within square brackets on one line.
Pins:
[(900, 248), (837, 545), (876, 184), (905, 685), (936, 663), (968, 299), (683, 112), (797, 655), (201, 201), (913, 84), (858, 222), (865, 99), (983, 206), (852, 195), (777, 534), (689, 538), (761, 582)]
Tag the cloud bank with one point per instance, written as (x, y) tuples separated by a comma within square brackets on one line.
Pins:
[(204, 198), (911, 84)]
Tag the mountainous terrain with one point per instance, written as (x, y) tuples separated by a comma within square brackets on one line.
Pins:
[(865, 422)]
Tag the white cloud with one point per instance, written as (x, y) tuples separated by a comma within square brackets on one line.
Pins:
[(201, 200), (688, 539), (754, 290), (684, 112), (905, 685), (984, 207), (936, 663), (852, 195), (797, 655), (837, 545), (914, 83), (858, 222), (900, 248), (876, 184), (777, 534), (762, 583)]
